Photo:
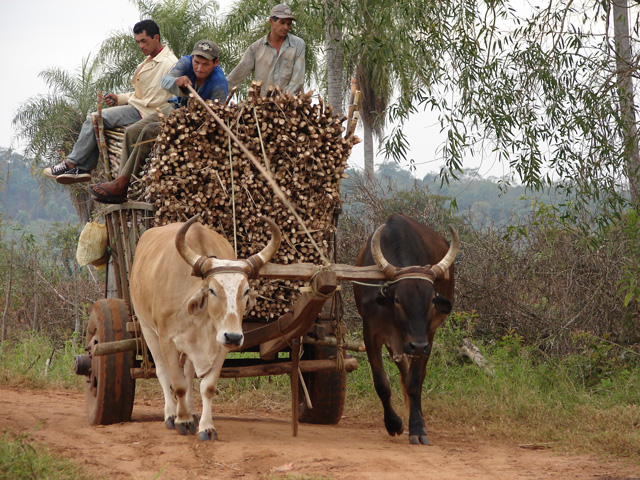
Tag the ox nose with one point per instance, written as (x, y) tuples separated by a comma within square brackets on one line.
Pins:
[(418, 348), (233, 339)]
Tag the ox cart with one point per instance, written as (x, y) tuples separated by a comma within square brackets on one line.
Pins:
[(307, 343)]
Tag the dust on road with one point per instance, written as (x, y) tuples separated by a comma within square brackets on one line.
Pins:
[(259, 445)]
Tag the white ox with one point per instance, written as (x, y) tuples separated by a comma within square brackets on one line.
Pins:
[(190, 296)]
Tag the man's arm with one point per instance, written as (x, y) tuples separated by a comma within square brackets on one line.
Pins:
[(168, 82), (123, 98), (243, 69)]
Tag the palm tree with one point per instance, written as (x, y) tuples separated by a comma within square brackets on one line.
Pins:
[(51, 123)]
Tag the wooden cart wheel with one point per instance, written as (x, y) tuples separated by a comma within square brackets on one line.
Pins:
[(109, 390), (327, 390)]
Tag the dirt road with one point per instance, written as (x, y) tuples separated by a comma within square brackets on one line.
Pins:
[(259, 445)]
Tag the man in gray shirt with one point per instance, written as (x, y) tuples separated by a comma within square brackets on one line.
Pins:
[(277, 58)]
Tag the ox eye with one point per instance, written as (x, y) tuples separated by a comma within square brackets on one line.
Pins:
[(212, 292), (246, 292)]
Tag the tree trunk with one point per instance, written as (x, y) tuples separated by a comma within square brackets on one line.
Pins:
[(34, 322), (83, 203), (8, 299), (625, 69), (369, 177), (335, 55)]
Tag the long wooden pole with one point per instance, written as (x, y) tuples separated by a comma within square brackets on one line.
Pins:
[(283, 368)]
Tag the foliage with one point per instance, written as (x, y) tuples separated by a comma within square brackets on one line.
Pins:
[(20, 199), (51, 123), (38, 360), (545, 281), (49, 294), (630, 280), (538, 91), (20, 460)]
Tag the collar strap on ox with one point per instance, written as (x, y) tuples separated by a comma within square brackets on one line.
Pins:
[(250, 268)]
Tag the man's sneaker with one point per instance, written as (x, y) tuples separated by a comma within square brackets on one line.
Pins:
[(58, 169), (75, 175)]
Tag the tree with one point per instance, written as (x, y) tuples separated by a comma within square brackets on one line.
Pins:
[(51, 123), (549, 92)]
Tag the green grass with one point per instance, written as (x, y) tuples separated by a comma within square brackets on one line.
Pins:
[(36, 361), (21, 459)]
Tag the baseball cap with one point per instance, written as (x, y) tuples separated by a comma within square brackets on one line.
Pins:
[(282, 11), (206, 49)]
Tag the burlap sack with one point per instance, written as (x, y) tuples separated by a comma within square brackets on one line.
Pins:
[(92, 245)]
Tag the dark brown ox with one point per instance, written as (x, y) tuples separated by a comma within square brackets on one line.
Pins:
[(404, 312), (190, 294)]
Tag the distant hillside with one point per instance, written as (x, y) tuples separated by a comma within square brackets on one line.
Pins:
[(480, 198), (23, 201)]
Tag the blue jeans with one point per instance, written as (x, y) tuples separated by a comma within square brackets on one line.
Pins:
[(85, 152)]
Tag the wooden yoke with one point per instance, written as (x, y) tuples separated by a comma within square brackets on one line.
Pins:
[(274, 336)]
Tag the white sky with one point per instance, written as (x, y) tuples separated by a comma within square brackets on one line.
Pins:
[(37, 34)]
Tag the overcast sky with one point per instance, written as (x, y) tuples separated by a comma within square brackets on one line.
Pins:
[(37, 34)]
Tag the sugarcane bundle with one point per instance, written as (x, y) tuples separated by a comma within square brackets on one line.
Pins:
[(197, 168)]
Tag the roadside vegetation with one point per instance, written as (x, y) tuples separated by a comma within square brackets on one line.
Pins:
[(21, 458), (553, 313)]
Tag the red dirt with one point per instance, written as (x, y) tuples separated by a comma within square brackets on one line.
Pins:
[(259, 445)]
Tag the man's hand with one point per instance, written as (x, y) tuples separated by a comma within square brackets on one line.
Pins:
[(183, 81), (110, 99)]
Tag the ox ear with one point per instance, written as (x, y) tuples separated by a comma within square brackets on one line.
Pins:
[(197, 302), (442, 304), (253, 297), (385, 296)]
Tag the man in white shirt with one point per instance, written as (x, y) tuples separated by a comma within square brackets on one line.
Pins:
[(277, 58), (127, 108)]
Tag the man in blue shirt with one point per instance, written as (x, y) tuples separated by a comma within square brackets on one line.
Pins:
[(202, 71)]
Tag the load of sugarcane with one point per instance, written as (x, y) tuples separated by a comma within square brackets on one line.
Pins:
[(198, 169)]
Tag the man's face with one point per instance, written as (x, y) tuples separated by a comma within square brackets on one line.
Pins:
[(281, 26), (147, 44), (203, 67)]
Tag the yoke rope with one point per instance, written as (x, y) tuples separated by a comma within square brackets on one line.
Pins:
[(391, 282)]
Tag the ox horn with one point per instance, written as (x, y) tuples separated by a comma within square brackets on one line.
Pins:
[(259, 259), (382, 263), (444, 264), (187, 253)]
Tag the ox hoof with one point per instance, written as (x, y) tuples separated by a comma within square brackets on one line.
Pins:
[(170, 422), (418, 439), (186, 428), (208, 434), (394, 426)]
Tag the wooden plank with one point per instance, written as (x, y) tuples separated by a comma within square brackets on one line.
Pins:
[(278, 368), (113, 245), (304, 271)]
